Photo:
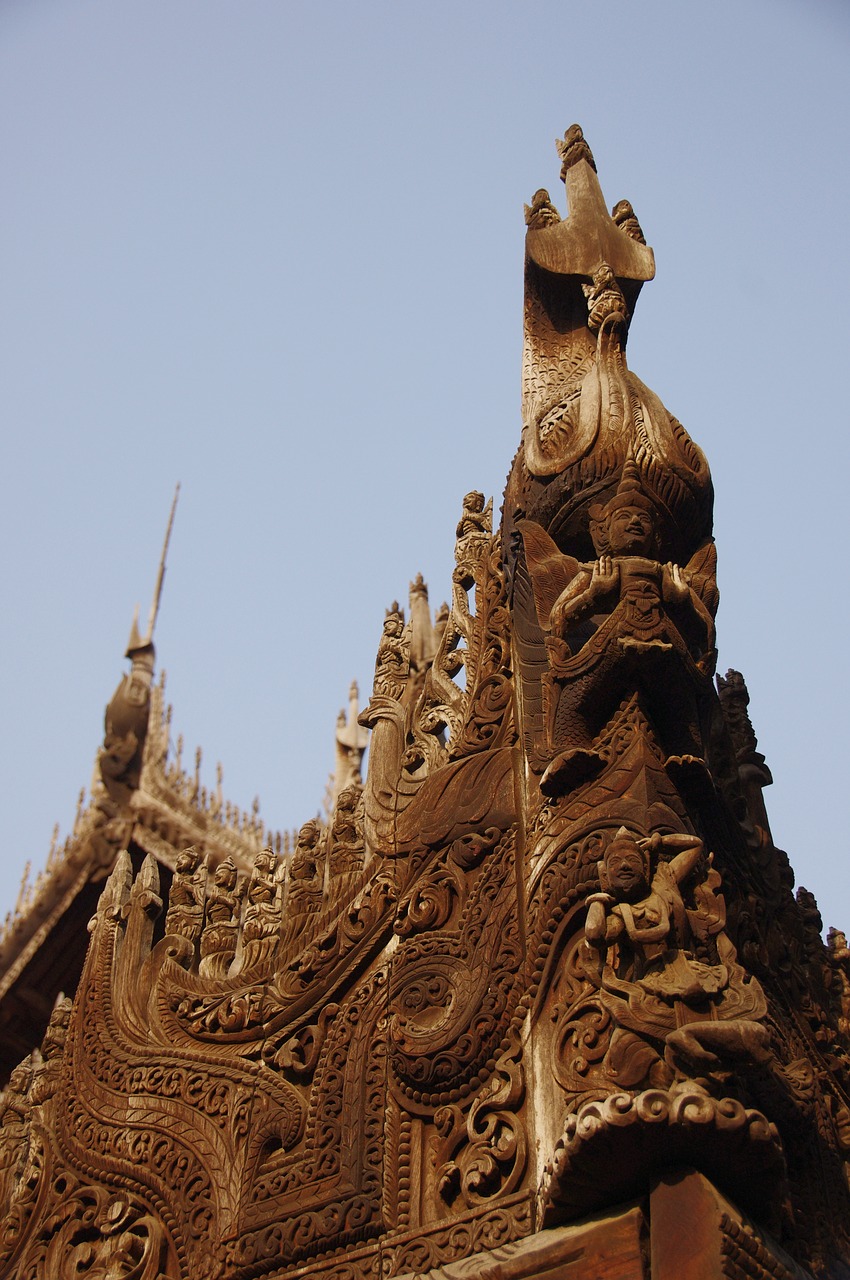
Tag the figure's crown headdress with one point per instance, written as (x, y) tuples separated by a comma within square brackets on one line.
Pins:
[(630, 491)]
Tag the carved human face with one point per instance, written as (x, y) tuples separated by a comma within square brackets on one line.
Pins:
[(625, 871), (187, 861), (630, 531), (20, 1078), (225, 876), (308, 835)]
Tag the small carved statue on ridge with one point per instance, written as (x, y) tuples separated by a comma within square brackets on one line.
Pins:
[(219, 939), (186, 899), (261, 927), (392, 664)]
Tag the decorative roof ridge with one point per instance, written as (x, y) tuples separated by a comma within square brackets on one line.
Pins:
[(24, 951), (164, 779)]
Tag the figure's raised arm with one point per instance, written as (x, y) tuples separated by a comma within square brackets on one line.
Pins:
[(688, 851)]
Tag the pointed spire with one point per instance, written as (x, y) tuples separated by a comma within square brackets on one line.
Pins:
[(422, 644), (137, 642), (351, 743), (116, 891)]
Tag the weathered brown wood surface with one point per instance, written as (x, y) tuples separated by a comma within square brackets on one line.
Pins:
[(545, 956)]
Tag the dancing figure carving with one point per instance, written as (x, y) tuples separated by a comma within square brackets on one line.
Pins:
[(667, 971)]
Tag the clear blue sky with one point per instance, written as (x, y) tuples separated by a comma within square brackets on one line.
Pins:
[(274, 250)]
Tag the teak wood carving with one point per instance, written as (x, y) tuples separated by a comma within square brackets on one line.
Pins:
[(545, 957)]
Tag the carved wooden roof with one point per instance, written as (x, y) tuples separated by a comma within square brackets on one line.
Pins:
[(539, 996)]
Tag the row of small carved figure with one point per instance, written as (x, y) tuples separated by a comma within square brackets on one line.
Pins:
[(31, 1083), (211, 802), (222, 914), (402, 655)]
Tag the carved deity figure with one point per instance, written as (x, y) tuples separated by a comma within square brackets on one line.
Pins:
[(14, 1104), (261, 926), (305, 889), (476, 517), (572, 148), (305, 872), (541, 212), (392, 664), (221, 929), (659, 955), (46, 1074), (347, 846), (626, 219), (15, 1108), (621, 624), (185, 914), (53, 1044), (649, 916), (604, 298)]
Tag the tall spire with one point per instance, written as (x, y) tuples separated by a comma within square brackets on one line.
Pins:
[(136, 641), (119, 761), (160, 576)]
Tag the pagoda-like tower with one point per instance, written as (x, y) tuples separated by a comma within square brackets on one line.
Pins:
[(539, 1000)]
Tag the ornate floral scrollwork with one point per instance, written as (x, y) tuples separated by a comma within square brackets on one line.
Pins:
[(298, 1054), (359, 924), (228, 1013), (429, 902), (106, 1235), (439, 894), (453, 988), (482, 1151)]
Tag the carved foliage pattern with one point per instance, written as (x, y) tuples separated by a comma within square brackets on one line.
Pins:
[(106, 1235), (218, 1128), (455, 975), (465, 1235), (483, 1151)]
